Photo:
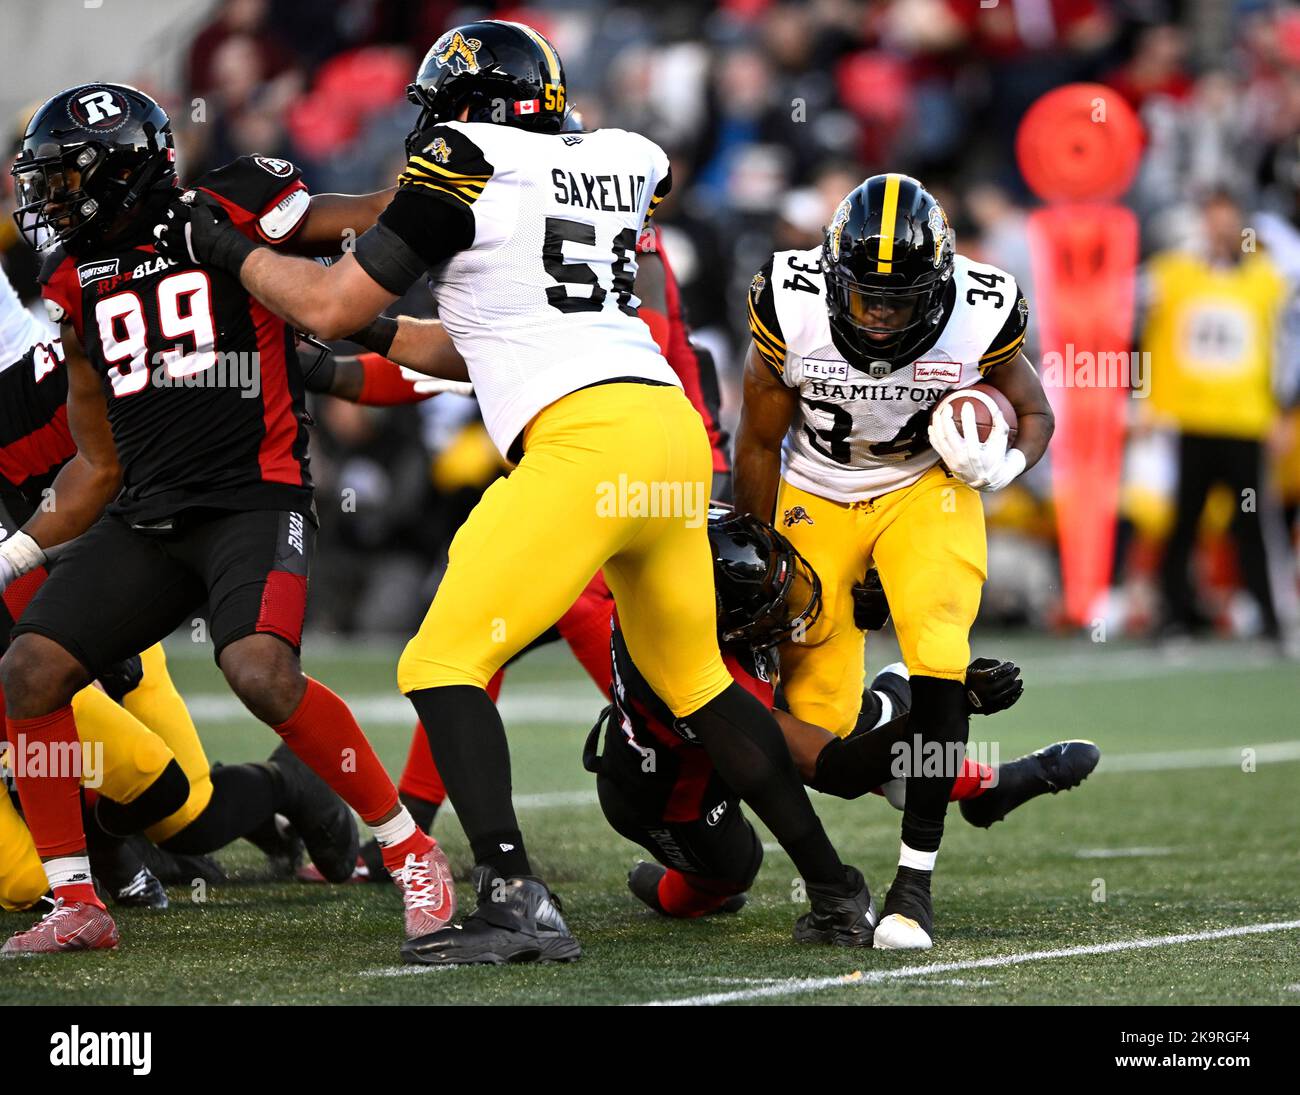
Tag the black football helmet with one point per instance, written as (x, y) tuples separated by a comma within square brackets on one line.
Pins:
[(766, 590), (87, 157), (888, 261), (504, 72)]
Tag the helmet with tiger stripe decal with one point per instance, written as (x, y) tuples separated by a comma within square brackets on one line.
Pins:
[(888, 259), (503, 72)]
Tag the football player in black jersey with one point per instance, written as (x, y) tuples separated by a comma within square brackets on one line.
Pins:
[(658, 788), (155, 777), (186, 402)]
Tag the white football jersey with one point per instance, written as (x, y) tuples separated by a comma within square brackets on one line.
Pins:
[(542, 303), (859, 434), (19, 329)]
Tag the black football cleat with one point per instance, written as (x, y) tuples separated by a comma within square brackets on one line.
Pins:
[(320, 818), (517, 920), (174, 869), (907, 920), (144, 891), (1058, 767), (643, 880), (842, 916)]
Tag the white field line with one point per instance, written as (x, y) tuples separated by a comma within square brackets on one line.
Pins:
[(567, 706), (1227, 757), (1121, 853), (802, 985), (1078, 662), (578, 703)]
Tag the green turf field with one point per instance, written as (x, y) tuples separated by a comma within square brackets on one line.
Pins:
[(1175, 836)]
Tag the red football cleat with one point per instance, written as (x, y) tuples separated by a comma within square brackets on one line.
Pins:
[(427, 892), (77, 926)]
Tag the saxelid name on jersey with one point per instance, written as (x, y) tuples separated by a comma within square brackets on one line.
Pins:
[(608, 193)]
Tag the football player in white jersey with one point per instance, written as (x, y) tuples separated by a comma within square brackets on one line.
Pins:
[(19, 329), (853, 345), (529, 236)]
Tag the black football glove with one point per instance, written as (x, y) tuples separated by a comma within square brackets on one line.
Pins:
[(198, 230), (122, 677), (992, 685), (870, 608)]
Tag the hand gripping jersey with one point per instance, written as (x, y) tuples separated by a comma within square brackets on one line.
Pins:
[(859, 434), (541, 304), (204, 393)]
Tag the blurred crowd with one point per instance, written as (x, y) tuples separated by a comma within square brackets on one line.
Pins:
[(771, 112)]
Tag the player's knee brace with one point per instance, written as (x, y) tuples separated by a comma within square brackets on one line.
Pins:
[(162, 798)]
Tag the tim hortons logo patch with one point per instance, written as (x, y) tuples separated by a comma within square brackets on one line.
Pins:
[(948, 372)]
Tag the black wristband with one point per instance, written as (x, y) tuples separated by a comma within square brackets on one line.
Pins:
[(377, 335)]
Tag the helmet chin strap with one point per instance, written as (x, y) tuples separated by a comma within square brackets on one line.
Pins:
[(148, 176)]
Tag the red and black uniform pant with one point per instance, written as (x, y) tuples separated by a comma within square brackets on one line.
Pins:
[(674, 804), (118, 590)]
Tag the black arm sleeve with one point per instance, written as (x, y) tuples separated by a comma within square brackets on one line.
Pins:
[(415, 232)]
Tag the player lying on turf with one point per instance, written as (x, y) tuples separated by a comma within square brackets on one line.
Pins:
[(658, 789), (569, 382), (188, 395)]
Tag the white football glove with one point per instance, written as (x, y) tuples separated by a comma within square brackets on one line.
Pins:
[(432, 385), (19, 553), (985, 465)]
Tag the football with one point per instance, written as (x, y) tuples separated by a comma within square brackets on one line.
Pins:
[(983, 397)]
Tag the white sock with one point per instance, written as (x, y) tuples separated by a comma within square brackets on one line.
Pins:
[(886, 711), (918, 861), (396, 829), (68, 870)]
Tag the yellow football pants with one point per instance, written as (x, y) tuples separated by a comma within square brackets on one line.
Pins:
[(928, 543), (614, 477), (133, 743)]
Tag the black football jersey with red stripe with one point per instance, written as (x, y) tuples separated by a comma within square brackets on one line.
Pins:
[(204, 390), (644, 726), (35, 441)]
